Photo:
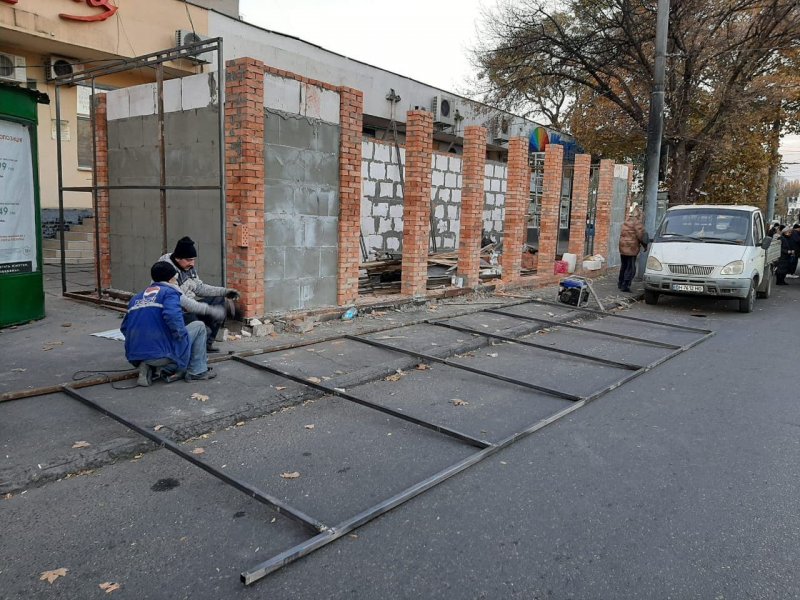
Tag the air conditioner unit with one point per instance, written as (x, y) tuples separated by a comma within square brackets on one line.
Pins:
[(184, 37), (444, 109), (12, 68), (60, 66), (501, 128)]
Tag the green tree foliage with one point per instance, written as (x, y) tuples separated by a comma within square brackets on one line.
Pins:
[(732, 71)]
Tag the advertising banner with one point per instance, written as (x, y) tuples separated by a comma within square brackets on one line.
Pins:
[(17, 206)]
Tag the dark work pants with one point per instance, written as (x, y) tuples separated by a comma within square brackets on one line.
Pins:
[(212, 324), (627, 271)]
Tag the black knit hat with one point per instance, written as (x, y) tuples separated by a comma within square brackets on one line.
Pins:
[(162, 271), (185, 248)]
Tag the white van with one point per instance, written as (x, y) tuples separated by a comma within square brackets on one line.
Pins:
[(712, 250)]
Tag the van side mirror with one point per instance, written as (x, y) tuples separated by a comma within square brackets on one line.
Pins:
[(765, 243)]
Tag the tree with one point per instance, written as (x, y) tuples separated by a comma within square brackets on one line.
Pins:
[(725, 57)]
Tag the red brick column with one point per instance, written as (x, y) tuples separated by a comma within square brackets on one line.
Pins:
[(244, 170), (417, 202), (602, 223), (551, 204), (469, 236), (518, 190), (101, 170), (580, 201), (351, 115), (630, 186)]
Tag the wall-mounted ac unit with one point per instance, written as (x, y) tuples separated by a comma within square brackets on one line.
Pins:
[(61, 66), (501, 128), (184, 37), (12, 68), (444, 109)]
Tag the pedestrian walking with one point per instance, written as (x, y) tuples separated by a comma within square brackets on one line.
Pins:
[(200, 301), (156, 338), (631, 238), (785, 260)]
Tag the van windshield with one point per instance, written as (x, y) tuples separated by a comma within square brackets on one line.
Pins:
[(718, 226)]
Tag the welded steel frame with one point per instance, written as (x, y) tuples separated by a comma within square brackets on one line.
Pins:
[(324, 534), (152, 60)]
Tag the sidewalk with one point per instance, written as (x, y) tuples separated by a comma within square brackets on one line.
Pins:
[(38, 433)]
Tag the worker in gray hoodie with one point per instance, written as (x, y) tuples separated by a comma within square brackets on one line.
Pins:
[(200, 301)]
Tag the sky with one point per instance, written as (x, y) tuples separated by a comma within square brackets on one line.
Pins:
[(427, 40)]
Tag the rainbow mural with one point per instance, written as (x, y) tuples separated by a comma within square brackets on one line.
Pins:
[(538, 140)]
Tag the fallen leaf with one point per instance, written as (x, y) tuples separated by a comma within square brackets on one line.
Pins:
[(292, 475), (280, 387), (273, 519), (7, 496), (240, 424), (81, 444), (66, 324), (158, 428), (46, 348), (309, 427), (314, 379), (422, 367), (109, 587), (458, 402), (198, 451), (51, 576), (396, 375), (354, 536), (18, 370), (199, 396), (138, 456), (492, 354)]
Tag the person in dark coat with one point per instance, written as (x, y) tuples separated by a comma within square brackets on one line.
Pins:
[(785, 260), (631, 237), (794, 244), (156, 336)]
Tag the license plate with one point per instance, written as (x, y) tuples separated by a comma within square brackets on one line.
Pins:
[(680, 287)]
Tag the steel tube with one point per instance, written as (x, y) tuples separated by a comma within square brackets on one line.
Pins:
[(223, 225), (597, 359), (304, 548), (621, 336), (60, 168), (91, 188), (449, 363), (242, 486), (389, 411)]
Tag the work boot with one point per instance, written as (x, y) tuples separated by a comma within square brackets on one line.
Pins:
[(209, 374), (145, 375), (211, 349)]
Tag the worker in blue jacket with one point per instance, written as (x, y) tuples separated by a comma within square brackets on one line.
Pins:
[(156, 336)]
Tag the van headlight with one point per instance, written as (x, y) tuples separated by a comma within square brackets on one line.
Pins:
[(733, 268), (653, 264)]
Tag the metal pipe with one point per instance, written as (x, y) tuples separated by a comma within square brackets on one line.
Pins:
[(280, 506), (307, 547), (617, 316), (88, 188), (621, 336), (162, 156), (223, 216), (60, 167), (597, 359), (344, 395), (449, 363)]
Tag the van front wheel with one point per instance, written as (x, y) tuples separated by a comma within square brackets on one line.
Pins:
[(748, 303)]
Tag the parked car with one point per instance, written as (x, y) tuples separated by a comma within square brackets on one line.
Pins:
[(711, 250)]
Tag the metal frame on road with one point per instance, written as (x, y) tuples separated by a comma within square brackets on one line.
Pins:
[(324, 534)]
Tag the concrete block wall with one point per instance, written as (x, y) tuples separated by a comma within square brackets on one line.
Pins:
[(446, 184), (192, 158), (382, 197), (494, 192)]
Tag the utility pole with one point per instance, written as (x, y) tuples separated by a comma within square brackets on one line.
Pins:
[(655, 126)]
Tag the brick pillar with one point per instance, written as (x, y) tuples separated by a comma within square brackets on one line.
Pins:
[(602, 224), (469, 237), (244, 170), (518, 190), (103, 206), (417, 202), (351, 115), (551, 204), (630, 186), (580, 201)]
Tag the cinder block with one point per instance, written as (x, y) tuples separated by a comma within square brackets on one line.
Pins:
[(283, 231), (392, 172), (172, 95), (384, 225), (328, 262), (383, 153), (396, 211), (274, 263), (281, 94), (437, 179), (380, 209), (324, 292), (281, 295), (369, 188), (302, 262), (281, 162), (142, 99), (367, 150), (438, 212), (377, 170), (440, 162), (327, 138), (323, 168), (386, 189), (279, 197), (455, 164), (198, 91), (393, 244), (488, 170)]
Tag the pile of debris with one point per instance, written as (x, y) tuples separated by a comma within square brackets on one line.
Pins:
[(382, 276)]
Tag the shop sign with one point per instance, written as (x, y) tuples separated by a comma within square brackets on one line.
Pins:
[(17, 206), (107, 7)]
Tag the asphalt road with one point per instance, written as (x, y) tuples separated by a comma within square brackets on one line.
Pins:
[(682, 483)]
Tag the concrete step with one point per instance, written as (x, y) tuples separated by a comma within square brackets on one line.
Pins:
[(72, 257), (81, 236), (87, 227), (83, 245)]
